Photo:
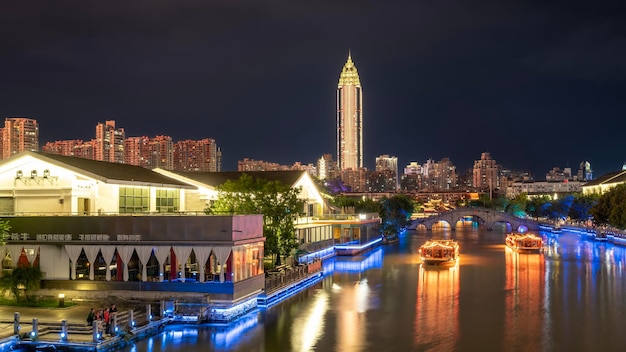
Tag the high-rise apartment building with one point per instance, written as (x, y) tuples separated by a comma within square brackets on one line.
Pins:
[(355, 180), (71, 147), (200, 155), (349, 118), (485, 173), (136, 151), (327, 167), (151, 153), (19, 134), (161, 149), (109, 143), (389, 164)]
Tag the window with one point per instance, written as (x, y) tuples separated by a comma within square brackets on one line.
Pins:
[(167, 200), (134, 200)]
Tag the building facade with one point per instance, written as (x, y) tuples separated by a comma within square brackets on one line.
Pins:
[(349, 118), (485, 173), (388, 165), (19, 134), (109, 143), (196, 155)]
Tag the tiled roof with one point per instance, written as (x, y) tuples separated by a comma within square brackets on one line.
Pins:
[(611, 177), (111, 172)]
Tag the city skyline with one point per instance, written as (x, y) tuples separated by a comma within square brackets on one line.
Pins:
[(536, 85)]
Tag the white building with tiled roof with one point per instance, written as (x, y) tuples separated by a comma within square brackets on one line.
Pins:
[(605, 182)]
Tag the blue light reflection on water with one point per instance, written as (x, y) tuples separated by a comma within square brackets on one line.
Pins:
[(582, 288)]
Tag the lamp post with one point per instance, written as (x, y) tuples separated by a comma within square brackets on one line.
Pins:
[(61, 300)]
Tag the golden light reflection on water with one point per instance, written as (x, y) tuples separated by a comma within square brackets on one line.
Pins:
[(437, 307), (307, 330), (525, 287), (351, 319)]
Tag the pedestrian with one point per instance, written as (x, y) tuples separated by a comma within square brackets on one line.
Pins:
[(91, 316), (106, 319), (112, 312)]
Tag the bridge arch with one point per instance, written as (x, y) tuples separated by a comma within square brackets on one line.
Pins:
[(486, 216)]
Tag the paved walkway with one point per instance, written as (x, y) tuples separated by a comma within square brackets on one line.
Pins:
[(76, 317)]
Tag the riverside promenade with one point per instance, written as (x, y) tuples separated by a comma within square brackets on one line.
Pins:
[(79, 336)]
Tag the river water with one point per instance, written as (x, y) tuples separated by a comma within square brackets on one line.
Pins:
[(572, 297)]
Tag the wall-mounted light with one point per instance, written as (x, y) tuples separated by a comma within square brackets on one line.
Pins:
[(46, 173), (33, 174), (19, 174)]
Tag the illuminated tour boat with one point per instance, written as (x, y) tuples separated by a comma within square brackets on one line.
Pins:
[(439, 252), (524, 242)]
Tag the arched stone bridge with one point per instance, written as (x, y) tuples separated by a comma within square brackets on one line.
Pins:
[(487, 217)]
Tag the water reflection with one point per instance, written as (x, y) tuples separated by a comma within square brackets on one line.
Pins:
[(308, 328), (570, 298), (524, 301), (437, 307)]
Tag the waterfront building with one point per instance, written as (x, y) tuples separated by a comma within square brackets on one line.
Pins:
[(205, 187), (197, 155), (96, 228), (109, 142), (19, 134), (33, 183), (604, 183), (349, 118)]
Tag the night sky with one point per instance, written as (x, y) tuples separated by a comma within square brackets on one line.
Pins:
[(538, 84)]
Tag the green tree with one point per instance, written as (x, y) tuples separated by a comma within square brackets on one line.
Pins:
[(611, 208), (366, 205), (277, 202), (483, 201), (581, 206), (537, 207), (22, 282), (396, 213)]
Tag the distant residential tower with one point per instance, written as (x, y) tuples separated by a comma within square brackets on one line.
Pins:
[(19, 134)]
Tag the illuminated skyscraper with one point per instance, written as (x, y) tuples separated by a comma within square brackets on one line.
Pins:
[(19, 134), (349, 118)]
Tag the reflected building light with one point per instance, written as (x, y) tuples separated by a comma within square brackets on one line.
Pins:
[(362, 296), (374, 260), (226, 338), (308, 330)]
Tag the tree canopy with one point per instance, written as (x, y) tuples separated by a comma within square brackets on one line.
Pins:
[(611, 208), (277, 202), (396, 213)]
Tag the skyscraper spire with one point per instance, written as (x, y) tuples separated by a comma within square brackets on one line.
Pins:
[(349, 74)]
